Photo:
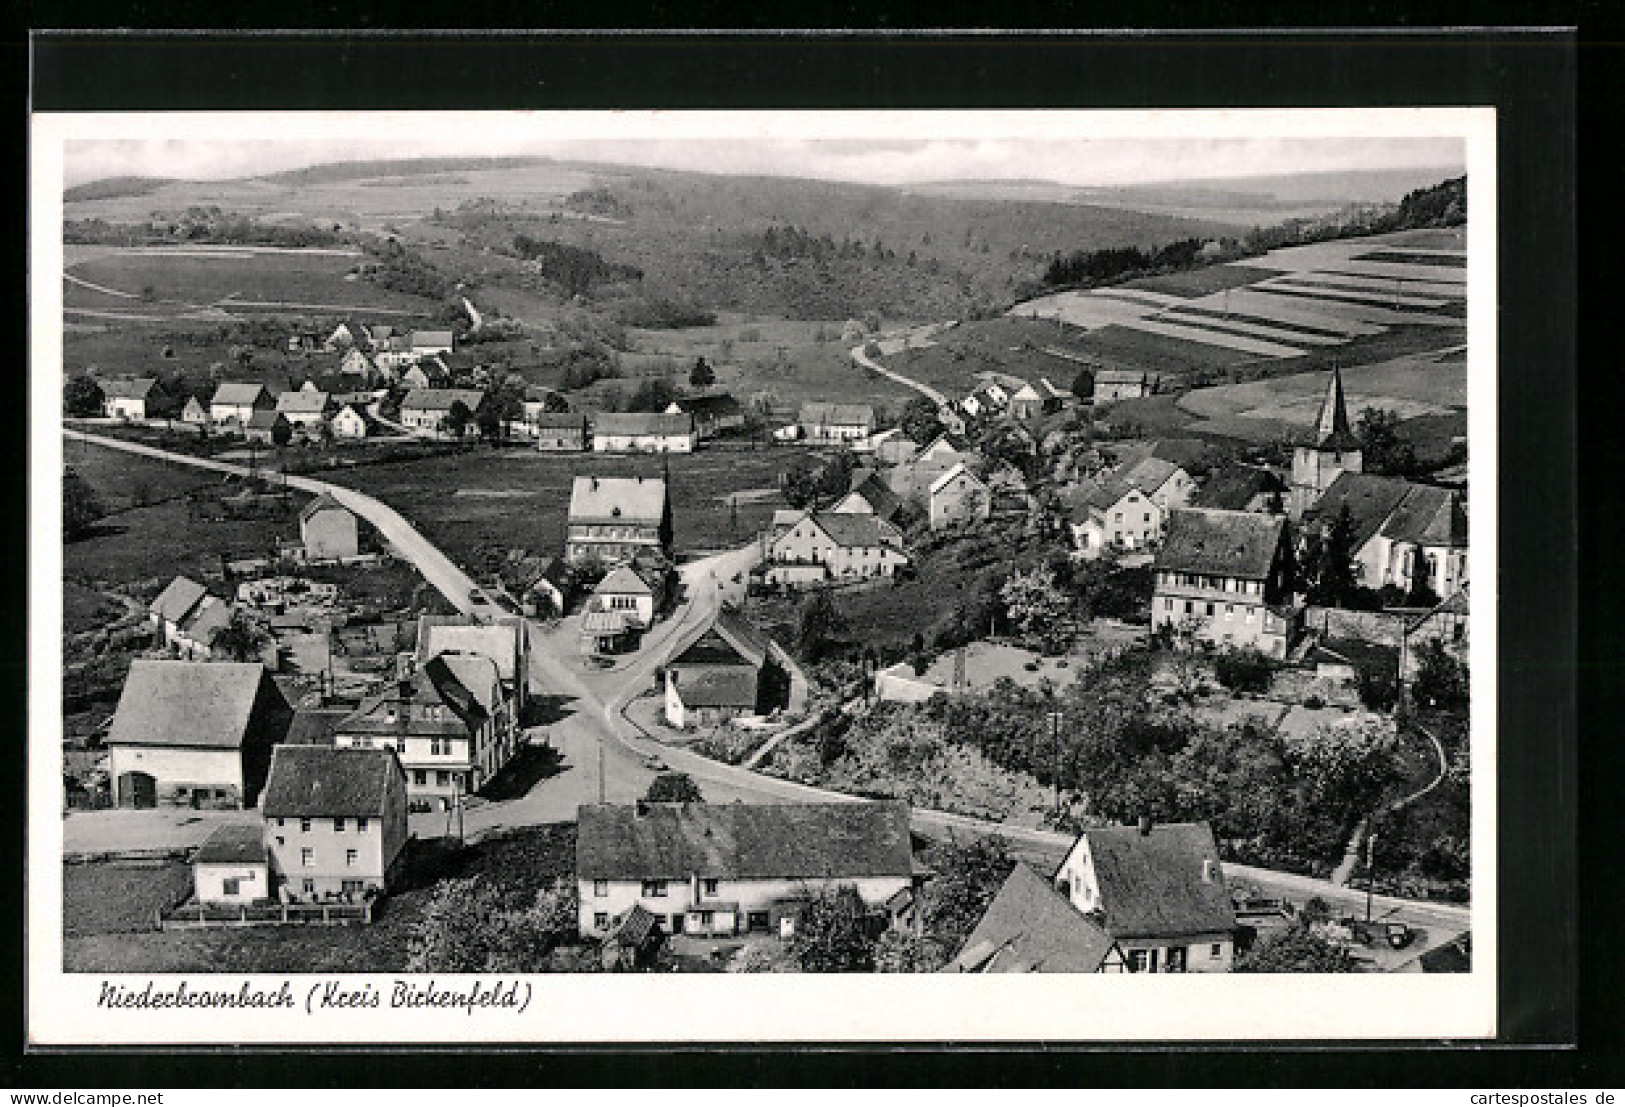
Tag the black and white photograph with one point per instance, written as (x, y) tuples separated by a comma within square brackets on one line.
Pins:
[(551, 566)]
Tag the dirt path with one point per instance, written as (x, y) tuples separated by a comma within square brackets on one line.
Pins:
[(1351, 855), (892, 345)]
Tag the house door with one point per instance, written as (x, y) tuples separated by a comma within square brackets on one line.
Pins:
[(137, 790)]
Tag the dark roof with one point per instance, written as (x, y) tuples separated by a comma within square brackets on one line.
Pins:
[(232, 844), (710, 406), (1235, 486), (730, 686), (1332, 428), (1187, 453), (126, 388), (442, 399), (1455, 955), (1353, 651), (1395, 508), (1222, 543), (881, 499), (635, 928), (177, 599), (560, 420), (315, 726), (321, 502), (188, 703), (328, 782), (852, 530), (1148, 473), (1030, 927), (743, 841), (1151, 884), (730, 639), (643, 423), (819, 414), (1428, 516), (265, 419)]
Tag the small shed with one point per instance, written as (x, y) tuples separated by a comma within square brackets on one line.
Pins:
[(232, 866), (633, 941)]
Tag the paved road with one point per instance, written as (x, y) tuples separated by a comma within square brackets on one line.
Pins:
[(593, 730)]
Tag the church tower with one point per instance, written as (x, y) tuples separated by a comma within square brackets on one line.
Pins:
[(1334, 450)]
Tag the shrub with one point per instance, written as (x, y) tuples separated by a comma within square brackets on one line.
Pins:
[(1314, 703), (1244, 671)]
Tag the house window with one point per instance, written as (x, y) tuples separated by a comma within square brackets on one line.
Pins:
[(1458, 631), (307, 857), (1210, 611), (1137, 960), (710, 889), (442, 778), (231, 885), (352, 887), (351, 857), (281, 822), (338, 826), (361, 826), (1216, 950), (706, 917), (1188, 608), (600, 920), (309, 885), (420, 777), (1229, 610), (1176, 959), (600, 888), (654, 889), (304, 826)]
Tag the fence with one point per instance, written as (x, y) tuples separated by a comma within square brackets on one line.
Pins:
[(194, 916)]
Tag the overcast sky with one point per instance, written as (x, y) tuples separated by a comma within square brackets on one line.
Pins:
[(885, 161)]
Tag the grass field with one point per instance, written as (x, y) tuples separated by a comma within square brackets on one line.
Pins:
[(118, 897), (522, 862), (86, 609), (207, 275), (1201, 282), (519, 498), (958, 359), (122, 480), (1409, 386)]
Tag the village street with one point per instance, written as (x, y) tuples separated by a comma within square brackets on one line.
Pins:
[(590, 730)]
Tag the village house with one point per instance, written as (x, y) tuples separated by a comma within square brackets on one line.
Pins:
[(1221, 577), (348, 335), (869, 496), (1243, 488), (1167, 484), (232, 866), (952, 421), (834, 423), (134, 399), (351, 424), (305, 409), (394, 353), (728, 669), (1332, 450), (712, 415), (185, 616), (356, 363), (945, 449), (958, 497), (505, 640), (1342, 660), (635, 595), (335, 821), (449, 722), (1037, 399), (826, 547), (417, 376), (1405, 534), (194, 733), (615, 519), (558, 431), (436, 411), (1112, 515), (893, 447), (1447, 624), (1158, 891), (720, 870), (195, 412), (429, 343), (265, 427), (1030, 927), (235, 402), (194, 640), (640, 432), (1112, 385), (329, 530)]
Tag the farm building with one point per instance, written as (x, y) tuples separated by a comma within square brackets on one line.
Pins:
[(1036, 399), (1112, 515), (265, 427), (173, 606), (720, 870), (428, 343), (1221, 576), (235, 402), (506, 641), (1112, 385), (305, 409), (441, 412), (945, 449), (351, 424), (712, 414), (232, 866), (558, 432), (1030, 927), (870, 496), (957, 497), (195, 412), (728, 669), (194, 733), (135, 399), (335, 821), (617, 518), (329, 530), (832, 423), (642, 433), (1158, 891), (825, 547), (1168, 485), (1242, 488)]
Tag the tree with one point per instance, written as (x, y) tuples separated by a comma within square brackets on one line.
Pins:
[(468, 926), (821, 626), (1378, 685), (1384, 451), (1244, 671), (1083, 385), (673, 788), (702, 375), (281, 432), (1441, 681), (241, 639), (1332, 579), (81, 395), (968, 876), (1038, 609), (901, 951), (1299, 948), (81, 507), (456, 419), (832, 933), (919, 420)]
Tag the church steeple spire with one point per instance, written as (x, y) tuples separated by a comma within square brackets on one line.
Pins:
[(1332, 432)]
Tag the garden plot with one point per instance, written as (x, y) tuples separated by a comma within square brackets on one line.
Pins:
[(1274, 309), (1433, 274), (1301, 300), (1409, 386), (1256, 330), (1379, 284), (1213, 338), (1285, 284), (1088, 310)]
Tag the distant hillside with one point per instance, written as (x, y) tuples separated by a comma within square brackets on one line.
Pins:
[(1443, 205), (1284, 191), (110, 188), (332, 172)]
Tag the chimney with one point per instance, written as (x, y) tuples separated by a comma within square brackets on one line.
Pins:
[(1145, 826)]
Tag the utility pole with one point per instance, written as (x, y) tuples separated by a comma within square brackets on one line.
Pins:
[(1055, 731)]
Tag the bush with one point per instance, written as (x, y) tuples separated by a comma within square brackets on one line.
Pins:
[(1244, 671), (1314, 703)]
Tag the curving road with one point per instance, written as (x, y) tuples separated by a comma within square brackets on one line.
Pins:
[(604, 753), (892, 344)]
